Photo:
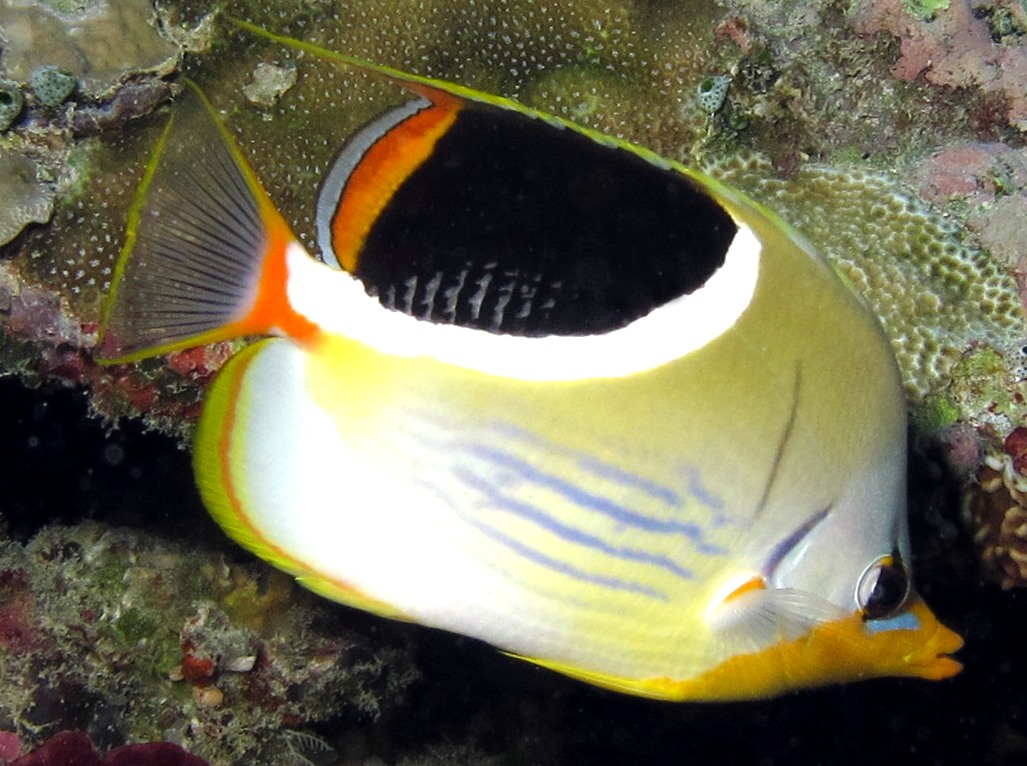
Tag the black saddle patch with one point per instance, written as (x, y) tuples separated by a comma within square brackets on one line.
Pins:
[(517, 226)]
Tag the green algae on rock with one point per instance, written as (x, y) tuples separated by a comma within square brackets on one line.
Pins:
[(925, 9), (11, 103)]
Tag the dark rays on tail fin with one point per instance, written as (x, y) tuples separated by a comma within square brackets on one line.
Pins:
[(203, 258)]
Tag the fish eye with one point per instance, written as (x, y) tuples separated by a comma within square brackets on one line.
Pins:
[(882, 588)]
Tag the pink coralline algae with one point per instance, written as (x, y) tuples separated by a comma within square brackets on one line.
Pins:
[(963, 46), (989, 182), (10, 747), (73, 748)]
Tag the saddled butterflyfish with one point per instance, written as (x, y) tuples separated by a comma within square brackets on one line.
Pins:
[(543, 388)]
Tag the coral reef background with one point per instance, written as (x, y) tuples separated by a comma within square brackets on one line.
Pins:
[(890, 133)]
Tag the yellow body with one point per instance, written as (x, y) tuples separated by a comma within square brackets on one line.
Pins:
[(398, 507), (693, 529)]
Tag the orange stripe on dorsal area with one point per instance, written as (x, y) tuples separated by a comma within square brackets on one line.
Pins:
[(382, 170)]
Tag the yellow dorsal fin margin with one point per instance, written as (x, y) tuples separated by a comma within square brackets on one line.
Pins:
[(437, 90)]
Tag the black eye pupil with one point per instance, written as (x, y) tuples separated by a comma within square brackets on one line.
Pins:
[(883, 589)]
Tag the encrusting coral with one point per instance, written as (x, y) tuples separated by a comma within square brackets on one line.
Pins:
[(936, 293), (975, 44), (24, 198), (135, 638), (93, 41)]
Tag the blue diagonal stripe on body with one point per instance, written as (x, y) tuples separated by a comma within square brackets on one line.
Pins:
[(497, 501)]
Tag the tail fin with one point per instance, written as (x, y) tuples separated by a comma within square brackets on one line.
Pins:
[(204, 252)]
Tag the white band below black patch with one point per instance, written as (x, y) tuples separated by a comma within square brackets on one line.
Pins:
[(341, 306)]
